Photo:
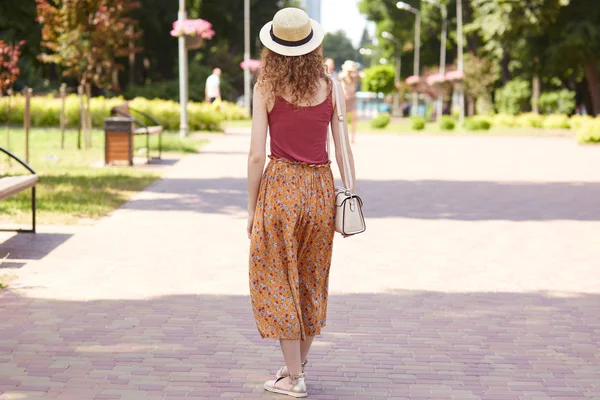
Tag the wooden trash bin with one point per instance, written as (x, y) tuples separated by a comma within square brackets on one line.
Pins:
[(118, 140)]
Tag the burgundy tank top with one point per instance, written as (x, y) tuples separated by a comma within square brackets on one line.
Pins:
[(300, 133)]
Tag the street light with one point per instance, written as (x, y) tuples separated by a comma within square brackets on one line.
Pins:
[(398, 45), (183, 74), (461, 91), (407, 7), (442, 7), (247, 55)]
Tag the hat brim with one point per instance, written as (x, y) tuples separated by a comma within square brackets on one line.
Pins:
[(292, 51)]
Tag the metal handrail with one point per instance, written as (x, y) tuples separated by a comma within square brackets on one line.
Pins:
[(23, 163)]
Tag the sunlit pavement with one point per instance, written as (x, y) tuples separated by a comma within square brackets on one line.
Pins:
[(477, 278)]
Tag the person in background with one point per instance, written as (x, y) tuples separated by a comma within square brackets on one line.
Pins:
[(349, 78), (330, 67), (212, 90)]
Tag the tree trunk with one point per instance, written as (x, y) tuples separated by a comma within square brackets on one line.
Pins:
[(470, 106), (536, 95), (591, 75)]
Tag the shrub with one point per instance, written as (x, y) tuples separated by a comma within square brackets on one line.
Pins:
[(380, 121), (514, 97), (556, 121), (589, 132), (379, 79), (578, 121), (477, 124), (446, 123), (559, 102), (45, 112), (417, 123), (529, 120), (504, 120)]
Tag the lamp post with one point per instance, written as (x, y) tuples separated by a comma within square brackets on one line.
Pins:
[(398, 45), (444, 10), (461, 91), (247, 54), (183, 74), (407, 7)]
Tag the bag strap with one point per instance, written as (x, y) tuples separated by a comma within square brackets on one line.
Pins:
[(345, 157)]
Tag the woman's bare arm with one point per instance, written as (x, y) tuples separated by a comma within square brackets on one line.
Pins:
[(336, 137), (257, 153)]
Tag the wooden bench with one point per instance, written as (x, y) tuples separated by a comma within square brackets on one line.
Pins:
[(12, 185), (140, 128)]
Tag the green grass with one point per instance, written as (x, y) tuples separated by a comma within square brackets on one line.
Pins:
[(74, 184)]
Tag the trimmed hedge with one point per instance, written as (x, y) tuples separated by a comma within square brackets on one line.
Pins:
[(477, 124), (417, 123), (556, 121), (529, 120), (447, 123), (380, 121), (45, 111), (589, 132)]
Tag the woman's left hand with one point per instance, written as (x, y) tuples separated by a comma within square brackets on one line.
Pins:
[(250, 223)]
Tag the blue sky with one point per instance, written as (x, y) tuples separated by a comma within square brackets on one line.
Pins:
[(343, 15)]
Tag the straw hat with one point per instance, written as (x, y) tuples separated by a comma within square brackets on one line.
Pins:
[(292, 33), (350, 66)]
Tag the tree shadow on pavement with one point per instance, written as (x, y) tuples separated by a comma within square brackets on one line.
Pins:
[(455, 200), (398, 344)]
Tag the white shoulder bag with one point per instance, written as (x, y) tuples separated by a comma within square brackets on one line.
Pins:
[(349, 219)]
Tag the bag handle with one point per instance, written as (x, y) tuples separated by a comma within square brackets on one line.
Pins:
[(345, 157)]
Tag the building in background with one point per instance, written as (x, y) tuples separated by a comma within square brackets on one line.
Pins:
[(313, 9)]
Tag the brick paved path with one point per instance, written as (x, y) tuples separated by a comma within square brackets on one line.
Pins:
[(478, 278)]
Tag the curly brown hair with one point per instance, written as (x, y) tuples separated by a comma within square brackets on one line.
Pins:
[(297, 77)]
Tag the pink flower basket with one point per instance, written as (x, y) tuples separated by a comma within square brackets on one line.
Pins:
[(436, 79), (413, 80), (455, 76), (252, 65), (193, 27)]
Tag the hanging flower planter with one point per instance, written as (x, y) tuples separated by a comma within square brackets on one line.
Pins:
[(436, 79), (193, 42), (194, 30), (454, 76), (413, 80), (252, 65)]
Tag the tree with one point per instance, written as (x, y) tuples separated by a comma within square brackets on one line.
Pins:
[(480, 75), (9, 65), (574, 44), (339, 47), (86, 37), (379, 79)]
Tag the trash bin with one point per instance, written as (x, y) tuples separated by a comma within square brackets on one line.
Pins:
[(118, 140)]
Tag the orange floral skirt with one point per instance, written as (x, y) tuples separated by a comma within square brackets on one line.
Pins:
[(290, 249)]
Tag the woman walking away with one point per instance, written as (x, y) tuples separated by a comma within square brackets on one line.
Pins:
[(291, 207)]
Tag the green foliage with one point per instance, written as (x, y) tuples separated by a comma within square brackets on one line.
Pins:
[(380, 121), (477, 124), (529, 120), (447, 123), (513, 97), (589, 132), (556, 121), (379, 79), (480, 75), (45, 112), (339, 47), (578, 121), (559, 102), (86, 38), (417, 123), (504, 120)]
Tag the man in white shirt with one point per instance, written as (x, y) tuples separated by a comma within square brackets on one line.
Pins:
[(213, 83)]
